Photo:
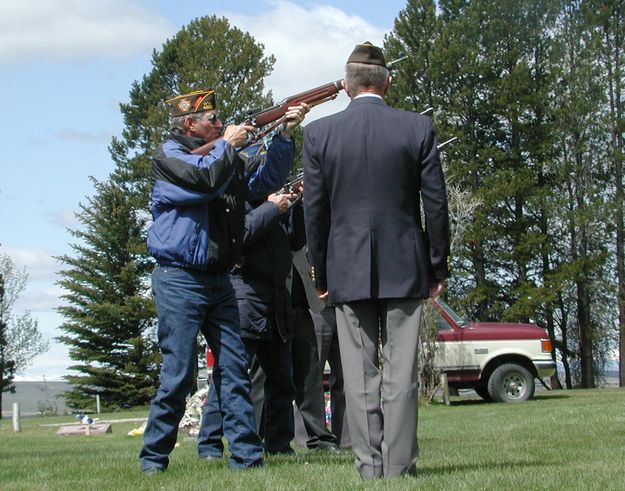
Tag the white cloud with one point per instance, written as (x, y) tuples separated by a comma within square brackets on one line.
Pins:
[(310, 45), (77, 30), (65, 218), (40, 264), (40, 298), (72, 135)]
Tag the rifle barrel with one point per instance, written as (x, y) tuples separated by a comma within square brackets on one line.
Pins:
[(441, 145), (391, 64)]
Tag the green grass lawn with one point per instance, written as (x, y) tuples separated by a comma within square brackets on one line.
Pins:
[(559, 440)]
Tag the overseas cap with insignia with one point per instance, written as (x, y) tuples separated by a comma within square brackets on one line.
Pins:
[(194, 102), (368, 54)]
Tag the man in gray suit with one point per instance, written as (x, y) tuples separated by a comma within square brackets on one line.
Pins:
[(368, 170)]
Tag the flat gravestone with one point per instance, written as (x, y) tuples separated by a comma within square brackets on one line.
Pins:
[(94, 429)]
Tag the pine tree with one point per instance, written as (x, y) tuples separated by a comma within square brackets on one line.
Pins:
[(109, 317)]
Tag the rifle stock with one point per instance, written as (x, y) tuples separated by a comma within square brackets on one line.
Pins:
[(312, 97)]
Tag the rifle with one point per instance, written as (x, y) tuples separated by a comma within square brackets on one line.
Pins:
[(274, 115), (312, 97), (445, 143), (289, 187)]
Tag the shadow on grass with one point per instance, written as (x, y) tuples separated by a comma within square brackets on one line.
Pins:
[(504, 466), (537, 398), (469, 402), (313, 457), (546, 397)]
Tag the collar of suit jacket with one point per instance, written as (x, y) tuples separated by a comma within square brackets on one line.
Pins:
[(368, 94)]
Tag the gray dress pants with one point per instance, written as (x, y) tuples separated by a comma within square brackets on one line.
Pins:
[(381, 395)]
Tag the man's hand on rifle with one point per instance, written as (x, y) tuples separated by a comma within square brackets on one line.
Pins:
[(282, 201), (294, 116), (238, 135), (298, 187)]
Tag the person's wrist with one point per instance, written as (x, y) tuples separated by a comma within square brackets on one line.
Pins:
[(229, 141)]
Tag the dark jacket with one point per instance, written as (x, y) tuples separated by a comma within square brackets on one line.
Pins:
[(198, 201), (367, 171), (260, 278)]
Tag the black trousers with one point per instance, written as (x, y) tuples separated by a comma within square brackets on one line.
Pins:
[(272, 393), (328, 349), (308, 381)]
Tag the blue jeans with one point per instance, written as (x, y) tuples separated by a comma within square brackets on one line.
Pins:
[(188, 302)]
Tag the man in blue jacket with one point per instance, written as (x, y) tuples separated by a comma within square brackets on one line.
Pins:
[(198, 207)]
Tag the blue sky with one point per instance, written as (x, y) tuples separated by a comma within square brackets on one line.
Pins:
[(65, 65)]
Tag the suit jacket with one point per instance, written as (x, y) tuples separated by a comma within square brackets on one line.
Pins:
[(367, 169)]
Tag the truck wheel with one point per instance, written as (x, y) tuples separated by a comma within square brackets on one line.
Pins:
[(511, 383), (482, 391)]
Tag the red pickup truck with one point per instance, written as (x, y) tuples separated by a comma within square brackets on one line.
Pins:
[(498, 360)]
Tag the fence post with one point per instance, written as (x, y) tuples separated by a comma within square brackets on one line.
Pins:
[(16, 417), (97, 403), (445, 386)]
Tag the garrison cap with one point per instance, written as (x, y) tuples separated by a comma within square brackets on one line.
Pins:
[(368, 54), (197, 101)]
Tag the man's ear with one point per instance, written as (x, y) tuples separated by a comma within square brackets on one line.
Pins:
[(387, 84), (189, 122), (344, 85)]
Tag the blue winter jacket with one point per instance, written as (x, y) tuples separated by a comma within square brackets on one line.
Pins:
[(198, 201)]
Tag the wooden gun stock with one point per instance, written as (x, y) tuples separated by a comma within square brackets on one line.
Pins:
[(312, 97)]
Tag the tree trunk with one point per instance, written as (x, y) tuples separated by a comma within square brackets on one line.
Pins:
[(585, 336), (565, 338), (551, 331), (620, 266), (479, 270)]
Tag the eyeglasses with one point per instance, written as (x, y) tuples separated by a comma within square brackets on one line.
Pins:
[(211, 119)]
